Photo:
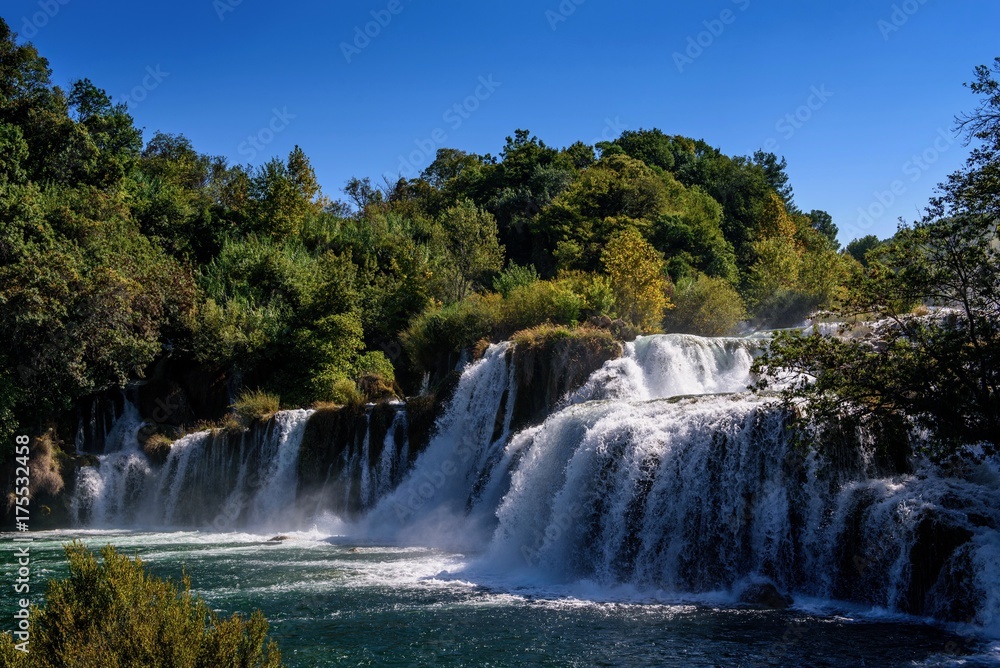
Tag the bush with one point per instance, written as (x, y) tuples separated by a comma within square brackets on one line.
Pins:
[(545, 301), (542, 335), (256, 406), (376, 377), (705, 306), (595, 289), (435, 337), (335, 390), (232, 331), (445, 331), (114, 613), (45, 465), (157, 447), (513, 277), (376, 364)]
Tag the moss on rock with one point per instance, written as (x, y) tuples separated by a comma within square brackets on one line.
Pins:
[(552, 361)]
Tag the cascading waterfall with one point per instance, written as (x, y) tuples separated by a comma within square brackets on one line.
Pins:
[(390, 466), (364, 462), (703, 494), (106, 493), (206, 481), (687, 496), (638, 480), (660, 473), (673, 365), (460, 459)]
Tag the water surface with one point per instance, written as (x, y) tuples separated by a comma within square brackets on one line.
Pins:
[(332, 602)]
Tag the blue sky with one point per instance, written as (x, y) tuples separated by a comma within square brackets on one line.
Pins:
[(249, 80)]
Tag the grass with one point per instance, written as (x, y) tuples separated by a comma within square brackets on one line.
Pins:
[(256, 406), (542, 335), (157, 447)]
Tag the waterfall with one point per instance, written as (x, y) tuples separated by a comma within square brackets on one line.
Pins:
[(674, 365), (660, 473), (110, 492), (461, 457), (685, 496), (209, 479)]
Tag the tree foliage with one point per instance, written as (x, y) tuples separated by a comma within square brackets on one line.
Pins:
[(113, 613), (705, 306), (119, 252), (638, 278), (938, 369)]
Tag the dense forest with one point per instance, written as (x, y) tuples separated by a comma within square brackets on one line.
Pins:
[(118, 252)]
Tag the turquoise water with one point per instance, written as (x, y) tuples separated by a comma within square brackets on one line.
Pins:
[(333, 603)]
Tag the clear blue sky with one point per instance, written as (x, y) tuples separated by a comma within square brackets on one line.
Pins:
[(226, 65)]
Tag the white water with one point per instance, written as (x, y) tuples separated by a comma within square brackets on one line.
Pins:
[(672, 365), (206, 480), (458, 462), (661, 474), (642, 479)]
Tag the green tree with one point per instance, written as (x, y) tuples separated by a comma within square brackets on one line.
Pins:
[(172, 202), (638, 278), (471, 249), (823, 223), (777, 177), (940, 371), (705, 306), (284, 194), (651, 146), (513, 277), (615, 193), (114, 613), (858, 249), (693, 240)]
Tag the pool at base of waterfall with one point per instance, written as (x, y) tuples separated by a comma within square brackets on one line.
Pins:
[(334, 602)]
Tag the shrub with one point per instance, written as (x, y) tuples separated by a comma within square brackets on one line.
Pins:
[(232, 331), (114, 613), (376, 364), (438, 335), (448, 330), (46, 470), (336, 390), (543, 335), (230, 423), (256, 406), (595, 289), (513, 277), (157, 448), (705, 306), (376, 377), (545, 301)]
